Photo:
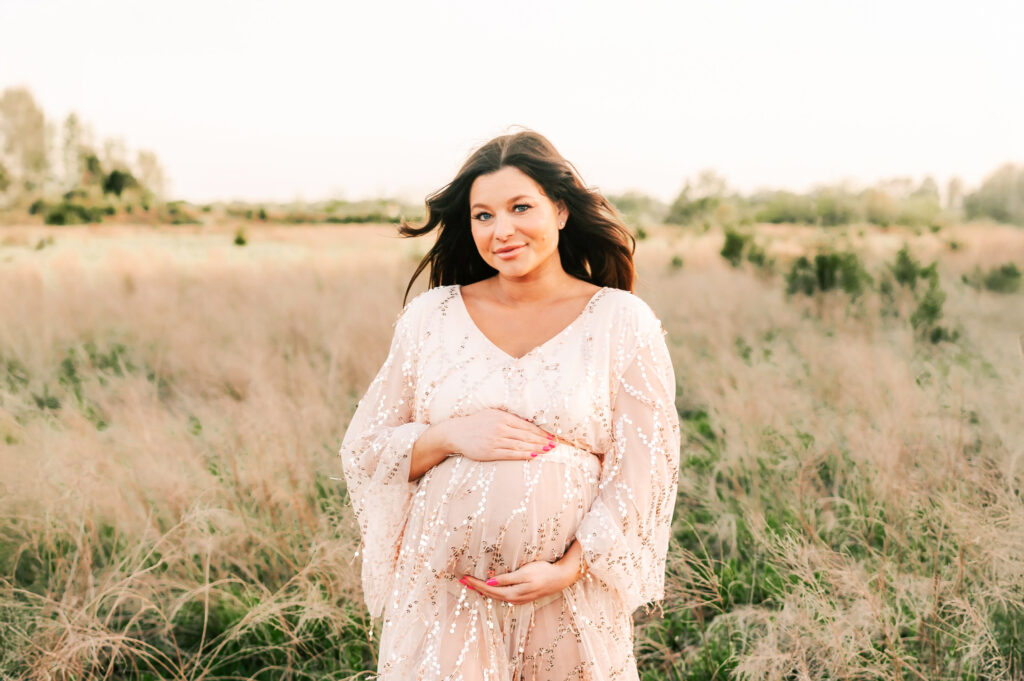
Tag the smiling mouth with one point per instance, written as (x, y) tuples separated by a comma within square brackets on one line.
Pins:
[(509, 250)]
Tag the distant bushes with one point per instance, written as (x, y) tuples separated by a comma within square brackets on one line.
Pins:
[(1000, 197), (380, 211), (739, 246), (177, 213), (828, 271), (786, 207), (639, 209), (365, 218), (70, 213), (898, 286), (708, 200), (1003, 279)]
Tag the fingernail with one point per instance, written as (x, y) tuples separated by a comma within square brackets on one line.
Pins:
[(550, 436), (548, 447), (492, 582), (533, 453), (470, 586), (462, 581)]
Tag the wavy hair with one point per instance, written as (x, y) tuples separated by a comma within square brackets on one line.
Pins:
[(595, 245)]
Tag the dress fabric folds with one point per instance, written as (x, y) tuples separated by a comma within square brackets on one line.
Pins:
[(605, 384)]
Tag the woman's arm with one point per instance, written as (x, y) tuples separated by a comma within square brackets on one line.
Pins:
[(432, 447), (376, 456), (486, 435), (625, 533)]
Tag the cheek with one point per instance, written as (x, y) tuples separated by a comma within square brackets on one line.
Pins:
[(481, 240)]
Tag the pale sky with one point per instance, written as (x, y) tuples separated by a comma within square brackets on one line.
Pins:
[(300, 99)]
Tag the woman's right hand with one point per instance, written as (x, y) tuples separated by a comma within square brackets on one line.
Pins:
[(495, 434)]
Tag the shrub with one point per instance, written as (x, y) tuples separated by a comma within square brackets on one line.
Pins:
[(732, 249), (879, 207), (117, 181), (906, 270), (929, 311), (176, 213), (835, 207), (786, 207), (828, 271), (1003, 279), (65, 213), (919, 210), (240, 239)]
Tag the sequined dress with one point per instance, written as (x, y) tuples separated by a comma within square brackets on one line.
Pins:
[(604, 383)]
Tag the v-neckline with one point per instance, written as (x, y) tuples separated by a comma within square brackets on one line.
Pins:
[(469, 318)]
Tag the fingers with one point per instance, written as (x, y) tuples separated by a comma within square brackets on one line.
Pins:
[(516, 451), (530, 433), (529, 427), (510, 593)]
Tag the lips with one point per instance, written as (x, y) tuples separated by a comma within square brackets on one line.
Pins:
[(509, 251)]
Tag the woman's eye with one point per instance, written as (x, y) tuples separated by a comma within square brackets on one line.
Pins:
[(484, 215)]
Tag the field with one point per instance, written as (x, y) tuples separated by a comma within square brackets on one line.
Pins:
[(172, 404)]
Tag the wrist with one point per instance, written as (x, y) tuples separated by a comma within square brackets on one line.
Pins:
[(440, 435), (572, 565)]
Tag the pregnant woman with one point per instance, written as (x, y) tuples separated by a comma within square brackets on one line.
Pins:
[(513, 466)]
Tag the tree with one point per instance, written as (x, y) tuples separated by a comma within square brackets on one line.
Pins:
[(1000, 197), (115, 153), (697, 199), (23, 138), (71, 151), (955, 195), (149, 172), (928, 188)]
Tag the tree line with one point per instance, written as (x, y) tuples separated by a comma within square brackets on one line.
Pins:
[(707, 199), (61, 172)]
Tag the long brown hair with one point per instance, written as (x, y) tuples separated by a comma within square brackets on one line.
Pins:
[(595, 245)]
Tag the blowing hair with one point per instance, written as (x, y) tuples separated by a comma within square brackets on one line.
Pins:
[(595, 245)]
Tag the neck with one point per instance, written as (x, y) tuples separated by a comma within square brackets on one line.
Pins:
[(535, 287)]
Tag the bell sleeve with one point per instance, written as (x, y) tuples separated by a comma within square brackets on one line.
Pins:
[(375, 457), (625, 533)]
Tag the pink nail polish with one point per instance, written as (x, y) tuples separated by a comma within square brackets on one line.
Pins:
[(492, 582), (462, 581), (533, 453), (471, 586)]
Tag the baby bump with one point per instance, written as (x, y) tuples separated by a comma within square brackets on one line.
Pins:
[(490, 517)]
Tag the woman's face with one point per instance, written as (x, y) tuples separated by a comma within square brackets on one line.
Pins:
[(515, 225)]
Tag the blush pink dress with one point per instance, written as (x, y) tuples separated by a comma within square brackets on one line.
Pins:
[(604, 383)]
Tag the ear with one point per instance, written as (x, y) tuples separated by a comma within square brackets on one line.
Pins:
[(563, 214)]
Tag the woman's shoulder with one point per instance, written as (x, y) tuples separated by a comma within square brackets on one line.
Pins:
[(632, 325), (630, 314), (424, 302)]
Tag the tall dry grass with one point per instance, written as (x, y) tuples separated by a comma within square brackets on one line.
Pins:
[(171, 408)]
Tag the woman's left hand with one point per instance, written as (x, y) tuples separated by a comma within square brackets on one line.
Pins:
[(530, 582)]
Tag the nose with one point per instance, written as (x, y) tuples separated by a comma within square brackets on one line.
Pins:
[(503, 227)]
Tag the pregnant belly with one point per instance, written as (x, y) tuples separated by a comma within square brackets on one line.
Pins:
[(490, 517)]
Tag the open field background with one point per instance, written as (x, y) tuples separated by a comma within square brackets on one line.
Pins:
[(171, 406)]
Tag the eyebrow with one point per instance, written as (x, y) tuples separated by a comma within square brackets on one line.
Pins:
[(514, 198)]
